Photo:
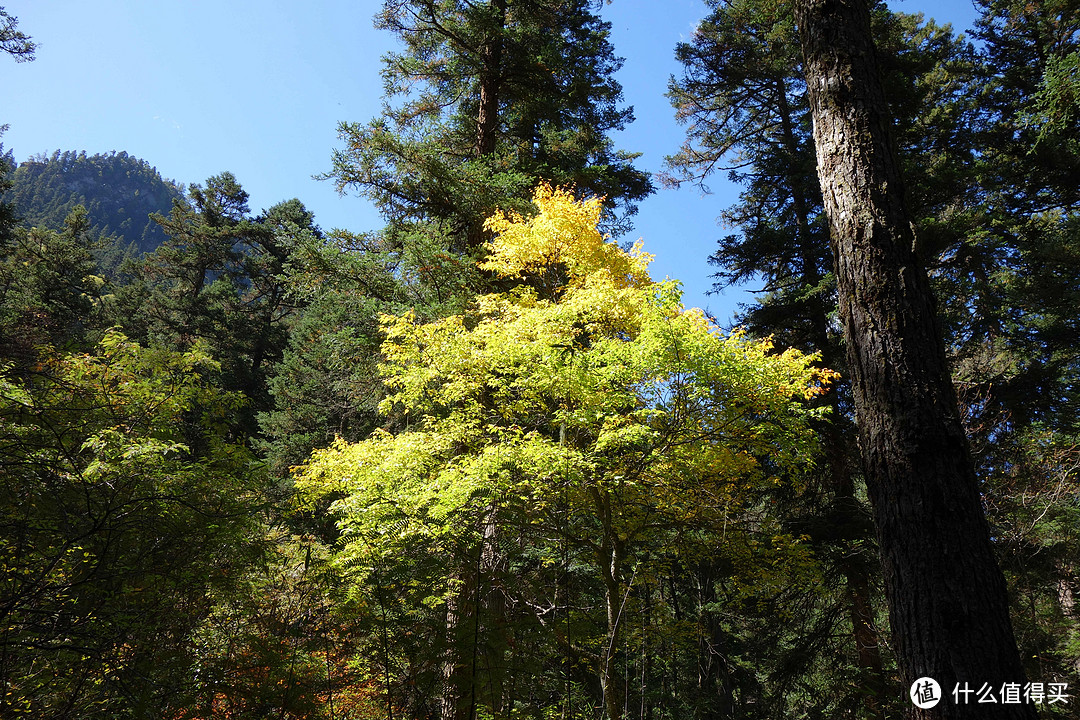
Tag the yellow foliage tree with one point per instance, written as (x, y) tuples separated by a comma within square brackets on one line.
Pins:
[(582, 418)]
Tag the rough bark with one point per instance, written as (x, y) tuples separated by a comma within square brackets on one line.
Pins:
[(947, 597), (860, 609), (487, 120), (453, 705)]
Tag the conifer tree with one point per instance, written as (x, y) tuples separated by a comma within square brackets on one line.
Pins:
[(219, 279), (50, 290), (1020, 364), (985, 142), (485, 100), (13, 41), (743, 97), (948, 602)]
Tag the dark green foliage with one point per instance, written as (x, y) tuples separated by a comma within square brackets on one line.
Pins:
[(1058, 99), (1025, 46), (989, 156), (50, 292), (219, 279), (1019, 365), (8, 215), (123, 508), (743, 97), (119, 192), (134, 513), (1026, 179), (13, 41), (326, 384), (269, 647), (490, 100), (151, 562)]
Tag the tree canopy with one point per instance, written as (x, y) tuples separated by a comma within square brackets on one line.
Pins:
[(477, 464), (584, 408)]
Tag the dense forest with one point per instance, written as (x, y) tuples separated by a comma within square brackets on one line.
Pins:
[(118, 192), (477, 463)]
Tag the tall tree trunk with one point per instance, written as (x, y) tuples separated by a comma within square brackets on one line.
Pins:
[(495, 646), (610, 556), (860, 608), (453, 703), (487, 117), (473, 664), (713, 671), (947, 597), (610, 681), (487, 120)]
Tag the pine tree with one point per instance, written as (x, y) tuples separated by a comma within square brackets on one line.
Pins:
[(486, 100), (1020, 365), (947, 597), (13, 41), (50, 291), (219, 278), (743, 97)]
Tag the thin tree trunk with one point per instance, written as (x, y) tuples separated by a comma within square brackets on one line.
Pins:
[(610, 679), (495, 646), (1067, 600), (947, 597), (473, 662), (452, 706), (713, 670), (610, 558)]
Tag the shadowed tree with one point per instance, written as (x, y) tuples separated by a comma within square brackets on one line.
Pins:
[(948, 604)]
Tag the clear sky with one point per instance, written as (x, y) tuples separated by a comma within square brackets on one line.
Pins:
[(257, 87)]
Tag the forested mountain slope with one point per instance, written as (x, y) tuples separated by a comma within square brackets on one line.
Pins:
[(119, 192)]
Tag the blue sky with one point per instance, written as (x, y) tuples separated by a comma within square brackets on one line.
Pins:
[(257, 87)]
